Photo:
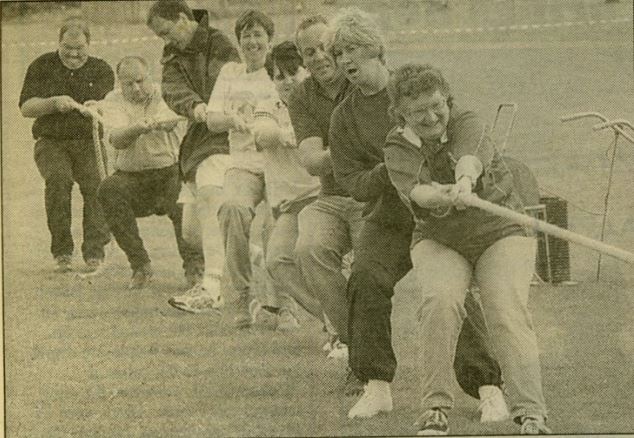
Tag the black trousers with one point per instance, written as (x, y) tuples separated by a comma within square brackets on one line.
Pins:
[(382, 258), (62, 163), (126, 196)]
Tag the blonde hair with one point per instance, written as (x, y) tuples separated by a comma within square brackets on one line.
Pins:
[(355, 27)]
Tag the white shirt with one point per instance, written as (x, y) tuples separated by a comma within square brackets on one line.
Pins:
[(237, 92), (154, 150), (287, 181)]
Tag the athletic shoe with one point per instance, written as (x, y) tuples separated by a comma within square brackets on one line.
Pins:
[(93, 265), (433, 422), (141, 277), (243, 319), (534, 425), (492, 404), (376, 398), (63, 263), (353, 385), (339, 351), (286, 321), (198, 299)]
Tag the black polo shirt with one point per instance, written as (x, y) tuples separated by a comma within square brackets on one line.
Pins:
[(47, 77), (310, 109)]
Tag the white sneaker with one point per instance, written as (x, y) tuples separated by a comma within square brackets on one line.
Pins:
[(376, 398), (339, 351), (255, 307), (492, 404), (198, 299)]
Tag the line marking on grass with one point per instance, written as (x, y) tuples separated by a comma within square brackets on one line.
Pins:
[(435, 31)]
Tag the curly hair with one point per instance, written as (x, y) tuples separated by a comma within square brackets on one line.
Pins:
[(356, 27), (413, 79)]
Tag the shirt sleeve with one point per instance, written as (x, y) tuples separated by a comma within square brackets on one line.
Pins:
[(114, 114), (350, 171), (104, 83), (219, 94), (33, 83), (177, 94), (470, 138), (304, 123), (405, 174)]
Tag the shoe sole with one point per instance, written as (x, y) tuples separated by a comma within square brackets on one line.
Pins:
[(433, 433), (380, 411), (181, 306)]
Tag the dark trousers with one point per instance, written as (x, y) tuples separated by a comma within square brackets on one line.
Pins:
[(126, 196), (381, 260), (62, 163)]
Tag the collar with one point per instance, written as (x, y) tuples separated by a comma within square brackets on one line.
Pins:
[(409, 135), (201, 35), (344, 84)]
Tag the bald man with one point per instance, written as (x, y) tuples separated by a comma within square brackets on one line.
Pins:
[(146, 135), (55, 85)]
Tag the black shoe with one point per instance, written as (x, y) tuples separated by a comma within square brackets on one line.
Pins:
[(141, 277)]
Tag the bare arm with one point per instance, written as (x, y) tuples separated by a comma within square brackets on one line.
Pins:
[(314, 158), (122, 138), (37, 106)]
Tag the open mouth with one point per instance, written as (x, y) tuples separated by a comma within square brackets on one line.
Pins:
[(351, 71)]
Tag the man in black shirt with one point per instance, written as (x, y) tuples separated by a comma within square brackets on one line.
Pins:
[(55, 85)]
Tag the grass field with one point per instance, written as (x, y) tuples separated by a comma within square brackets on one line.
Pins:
[(97, 360)]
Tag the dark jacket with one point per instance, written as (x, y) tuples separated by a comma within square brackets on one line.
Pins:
[(189, 76)]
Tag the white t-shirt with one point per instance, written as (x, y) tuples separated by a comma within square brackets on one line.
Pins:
[(237, 92), (287, 181)]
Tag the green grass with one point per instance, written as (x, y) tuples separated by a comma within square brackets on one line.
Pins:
[(97, 360)]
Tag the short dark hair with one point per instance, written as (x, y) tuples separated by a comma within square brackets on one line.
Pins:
[(141, 60), (308, 22), (411, 80), (287, 58), (169, 10), (250, 18), (75, 22)]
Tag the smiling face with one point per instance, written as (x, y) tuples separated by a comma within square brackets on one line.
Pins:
[(427, 115), (73, 49), (317, 60), (285, 82), (254, 45), (177, 33), (360, 64)]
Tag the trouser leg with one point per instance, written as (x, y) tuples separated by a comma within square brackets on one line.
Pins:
[(117, 195), (474, 365), (381, 260), (504, 272), (323, 240), (287, 280), (242, 192), (442, 279), (54, 164), (96, 234)]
